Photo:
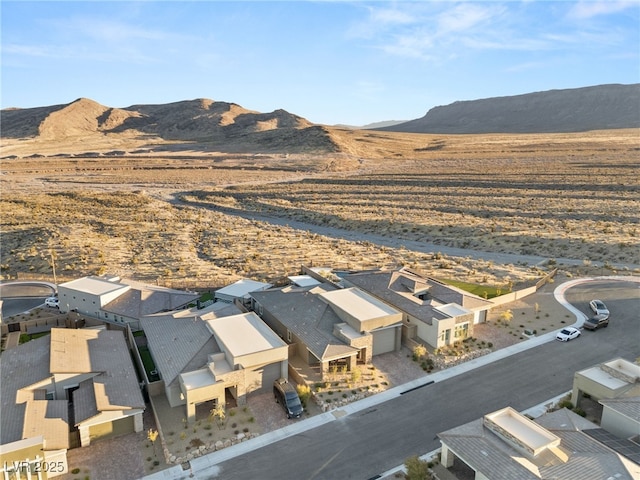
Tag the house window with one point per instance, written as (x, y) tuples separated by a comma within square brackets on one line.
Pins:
[(462, 330)]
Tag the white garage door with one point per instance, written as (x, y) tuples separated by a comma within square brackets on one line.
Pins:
[(384, 340)]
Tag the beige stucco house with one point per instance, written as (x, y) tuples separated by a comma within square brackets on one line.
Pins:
[(432, 312), (88, 368), (119, 301), (328, 326), (616, 385), (203, 356)]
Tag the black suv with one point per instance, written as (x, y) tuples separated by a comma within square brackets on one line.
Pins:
[(286, 395), (596, 322)]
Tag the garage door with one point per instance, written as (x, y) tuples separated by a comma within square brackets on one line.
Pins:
[(384, 340), (262, 378), (112, 429)]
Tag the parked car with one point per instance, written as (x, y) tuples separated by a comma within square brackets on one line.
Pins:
[(287, 396), (595, 322), (52, 302), (598, 307), (568, 333)]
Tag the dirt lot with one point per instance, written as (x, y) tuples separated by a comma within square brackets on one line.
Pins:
[(169, 219)]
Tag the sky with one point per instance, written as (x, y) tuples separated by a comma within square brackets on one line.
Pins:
[(330, 61)]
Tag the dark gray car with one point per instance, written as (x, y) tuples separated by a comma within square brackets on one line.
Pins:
[(287, 396), (598, 321)]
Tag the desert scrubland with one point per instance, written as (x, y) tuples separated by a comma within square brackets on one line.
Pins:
[(167, 214)]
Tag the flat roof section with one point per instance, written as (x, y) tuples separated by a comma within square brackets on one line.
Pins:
[(629, 371), (518, 429), (197, 379), (358, 303), (452, 309), (604, 378), (244, 334), (95, 285), (303, 280), (242, 288)]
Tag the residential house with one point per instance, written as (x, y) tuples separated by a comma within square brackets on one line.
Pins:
[(68, 388), (432, 312), (612, 379), (119, 301), (328, 326), (615, 384), (205, 355), (558, 445), (239, 291)]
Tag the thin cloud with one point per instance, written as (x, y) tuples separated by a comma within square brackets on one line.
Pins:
[(442, 31), (27, 50), (110, 31), (590, 9), (464, 17)]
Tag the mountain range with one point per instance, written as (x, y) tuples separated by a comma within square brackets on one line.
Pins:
[(600, 107), (230, 127)]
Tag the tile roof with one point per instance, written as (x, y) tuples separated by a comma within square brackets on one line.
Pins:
[(401, 287), (142, 299), (627, 406), (20, 367), (104, 353), (30, 367), (48, 418), (623, 446), (181, 341), (308, 317), (577, 456), (84, 402)]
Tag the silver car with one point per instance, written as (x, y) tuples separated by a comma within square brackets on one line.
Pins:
[(598, 307)]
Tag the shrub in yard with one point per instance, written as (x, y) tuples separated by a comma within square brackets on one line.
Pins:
[(580, 412), (419, 351), (416, 469), (304, 392)]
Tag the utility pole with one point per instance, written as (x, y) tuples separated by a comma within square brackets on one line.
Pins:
[(53, 264)]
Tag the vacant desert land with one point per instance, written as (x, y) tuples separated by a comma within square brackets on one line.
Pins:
[(171, 217)]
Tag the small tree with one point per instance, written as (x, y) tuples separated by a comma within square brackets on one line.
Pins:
[(419, 351), (506, 316), (304, 392), (356, 375), (152, 435), (218, 412), (417, 469)]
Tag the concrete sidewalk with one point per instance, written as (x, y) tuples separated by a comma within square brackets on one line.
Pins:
[(205, 466)]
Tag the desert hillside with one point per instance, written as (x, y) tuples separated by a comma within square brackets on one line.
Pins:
[(200, 124), (571, 110)]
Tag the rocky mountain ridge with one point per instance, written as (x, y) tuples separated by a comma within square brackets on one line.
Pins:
[(600, 107), (199, 120)]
